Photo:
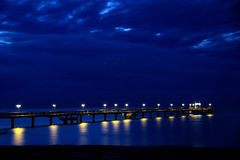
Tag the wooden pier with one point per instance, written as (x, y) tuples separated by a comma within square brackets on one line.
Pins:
[(76, 117)]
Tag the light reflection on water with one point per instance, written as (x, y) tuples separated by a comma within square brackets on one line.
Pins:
[(18, 136), (181, 131), (104, 127), (83, 131), (53, 134), (126, 125), (158, 121), (144, 123), (83, 128), (116, 125)]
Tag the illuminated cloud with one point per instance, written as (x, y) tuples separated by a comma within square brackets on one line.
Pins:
[(109, 7), (231, 36), (3, 42), (47, 4), (158, 34), (203, 44), (123, 29)]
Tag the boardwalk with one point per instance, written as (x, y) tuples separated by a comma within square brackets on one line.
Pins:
[(75, 117)]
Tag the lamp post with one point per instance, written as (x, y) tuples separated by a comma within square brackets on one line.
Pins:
[(126, 105), (158, 105), (210, 104), (115, 105), (54, 106), (18, 106), (83, 105), (104, 105), (183, 105), (171, 105), (143, 105)]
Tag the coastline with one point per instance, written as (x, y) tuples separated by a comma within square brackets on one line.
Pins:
[(69, 152)]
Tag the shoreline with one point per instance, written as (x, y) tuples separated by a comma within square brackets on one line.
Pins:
[(71, 152)]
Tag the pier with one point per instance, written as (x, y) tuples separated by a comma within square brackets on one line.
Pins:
[(77, 117)]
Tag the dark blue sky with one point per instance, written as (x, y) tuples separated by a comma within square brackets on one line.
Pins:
[(95, 51)]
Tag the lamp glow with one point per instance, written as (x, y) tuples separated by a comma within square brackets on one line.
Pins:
[(144, 105), (115, 105), (183, 104), (18, 106), (158, 104), (210, 104), (104, 105), (83, 105), (171, 104)]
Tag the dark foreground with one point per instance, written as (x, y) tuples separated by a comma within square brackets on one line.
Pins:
[(113, 153)]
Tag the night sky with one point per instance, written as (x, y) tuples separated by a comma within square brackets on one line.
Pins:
[(104, 51)]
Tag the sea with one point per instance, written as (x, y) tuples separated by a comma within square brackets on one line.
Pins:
[(218, 130)]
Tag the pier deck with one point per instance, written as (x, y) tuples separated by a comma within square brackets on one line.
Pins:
[(74, 117)]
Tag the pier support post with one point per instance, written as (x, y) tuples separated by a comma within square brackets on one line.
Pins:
[(115, 116), (125, 115), (80, 118), (33, 122), (50, 120), (150, 114), (12, 122), (71, 119), (105, 116), (164, 114), (93, 117)]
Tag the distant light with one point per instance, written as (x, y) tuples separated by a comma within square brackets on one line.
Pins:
[(144, 105), (209, 115), (158, 104), (183, 104), (83, 105), (126, 105), (190, 105), (104, 105), (54, 105), (115, 105), (18, 106), (171, 104), (210, 104)]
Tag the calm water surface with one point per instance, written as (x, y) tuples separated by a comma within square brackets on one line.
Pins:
[(199, 131)]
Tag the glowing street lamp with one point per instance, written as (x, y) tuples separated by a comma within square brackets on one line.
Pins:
[(126, 105), (104, 105), (18, 106), (171, 104), (144, 105), (54, 106), (115, 105), (183, 105), (83, 105), (158, 105), (210, 104)]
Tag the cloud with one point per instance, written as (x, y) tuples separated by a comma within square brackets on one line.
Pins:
[(203, 44), (109, 7), (232, 36), (123, 29)]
